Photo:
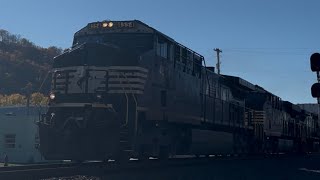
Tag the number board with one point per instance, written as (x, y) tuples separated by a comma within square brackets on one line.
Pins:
[(117, 24), (125, 24), (95, 25)]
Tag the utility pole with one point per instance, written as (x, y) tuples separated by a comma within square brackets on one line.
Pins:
[(218, 51)]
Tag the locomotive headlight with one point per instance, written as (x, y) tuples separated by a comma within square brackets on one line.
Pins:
[(105, 24), (52, 96)]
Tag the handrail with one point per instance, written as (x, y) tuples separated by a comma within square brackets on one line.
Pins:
[(125, 93), (135, 100)]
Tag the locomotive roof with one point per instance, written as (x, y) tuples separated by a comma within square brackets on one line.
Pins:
[(246, 85), (128, 26), (292, 106), (239, 81)]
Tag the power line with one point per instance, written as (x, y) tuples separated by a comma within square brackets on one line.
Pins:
[(269, 50)]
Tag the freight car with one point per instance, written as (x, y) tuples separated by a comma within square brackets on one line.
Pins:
[(125, 89)]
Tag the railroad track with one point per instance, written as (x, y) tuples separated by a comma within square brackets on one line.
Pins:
[(39, 171), (114, 169)]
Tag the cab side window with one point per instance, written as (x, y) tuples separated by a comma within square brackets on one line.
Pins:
[(162, 48)]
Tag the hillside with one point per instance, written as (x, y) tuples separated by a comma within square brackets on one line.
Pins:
[(23, 65)]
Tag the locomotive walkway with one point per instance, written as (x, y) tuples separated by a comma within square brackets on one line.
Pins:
[(244, 168)]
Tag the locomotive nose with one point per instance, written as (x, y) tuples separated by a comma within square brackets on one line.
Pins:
[(80, 133), (87, 116)]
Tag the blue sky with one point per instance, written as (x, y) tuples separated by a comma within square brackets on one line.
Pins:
[(265, 42)]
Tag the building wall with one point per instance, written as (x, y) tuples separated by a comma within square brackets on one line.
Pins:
[(19, 134)]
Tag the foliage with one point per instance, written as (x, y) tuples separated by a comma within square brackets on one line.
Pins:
[(13, 99), (18, 99), (23, 70), (23, 65), (39, 99)]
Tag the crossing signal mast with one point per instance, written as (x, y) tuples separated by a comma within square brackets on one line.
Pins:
[(315, 88)]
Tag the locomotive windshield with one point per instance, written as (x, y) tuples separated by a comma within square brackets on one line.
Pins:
[(137, 42), (96, 54), (76, 57)]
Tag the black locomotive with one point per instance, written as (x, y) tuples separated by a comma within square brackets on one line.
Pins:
[(125, 89)]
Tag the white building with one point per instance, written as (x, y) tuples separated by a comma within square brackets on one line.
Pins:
[(19, 137)]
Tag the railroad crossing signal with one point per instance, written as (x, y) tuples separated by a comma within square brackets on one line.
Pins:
[(315, 62), (315, 90), (315, 67)]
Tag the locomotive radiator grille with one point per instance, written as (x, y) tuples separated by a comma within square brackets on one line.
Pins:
[(257, 117)]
